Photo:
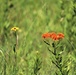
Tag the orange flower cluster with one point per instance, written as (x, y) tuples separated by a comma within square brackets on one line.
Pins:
[(53, 35)]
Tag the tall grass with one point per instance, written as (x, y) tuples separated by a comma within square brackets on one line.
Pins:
[(35, 17)]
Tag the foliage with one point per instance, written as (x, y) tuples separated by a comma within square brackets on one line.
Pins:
[(33, 18)]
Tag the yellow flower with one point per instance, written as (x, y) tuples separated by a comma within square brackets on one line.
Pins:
[(14, 28)]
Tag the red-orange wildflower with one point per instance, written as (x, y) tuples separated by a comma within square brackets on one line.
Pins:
[(46, 35), (53, 35), (60, 35)]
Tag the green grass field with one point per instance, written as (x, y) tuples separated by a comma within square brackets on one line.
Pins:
[(25, 51)]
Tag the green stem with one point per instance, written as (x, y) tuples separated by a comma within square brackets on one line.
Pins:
[(57, 62), (15, 54)]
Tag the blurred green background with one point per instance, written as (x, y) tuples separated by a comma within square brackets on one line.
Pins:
[(35, 17)]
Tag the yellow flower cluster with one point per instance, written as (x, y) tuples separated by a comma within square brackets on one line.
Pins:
[(14, 28)]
